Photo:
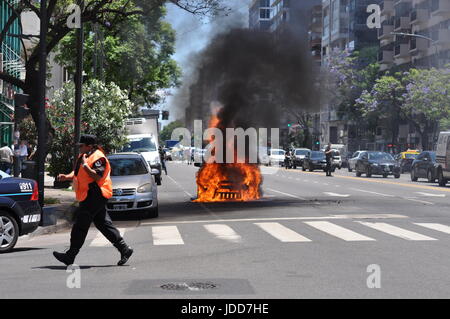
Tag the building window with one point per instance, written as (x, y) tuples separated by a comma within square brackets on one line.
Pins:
[(264, 13), (264, 3)]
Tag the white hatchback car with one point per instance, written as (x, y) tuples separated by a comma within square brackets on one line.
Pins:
[(134, 188)]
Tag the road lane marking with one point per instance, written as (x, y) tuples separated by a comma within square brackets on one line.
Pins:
[(285, 194), (430, 195), (224, 232), (166, 235), (438, 227), (442, 189), (338, 231), (331, 217), (282, 233), (178, 184), (336, 195), (396, 231), (381, 194), (101, 241), (413, 199)]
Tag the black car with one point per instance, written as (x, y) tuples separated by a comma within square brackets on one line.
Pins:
[(377, 163), (425, 166), (314, 160), (20, 212)]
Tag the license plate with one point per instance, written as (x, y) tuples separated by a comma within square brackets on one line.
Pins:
[(120, 207)]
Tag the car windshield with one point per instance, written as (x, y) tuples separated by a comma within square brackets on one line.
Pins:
[(127, 166), (336, 153), (277, 152), (301, 152), (143, 144), (410, 156), (380, 156), (317, 155)]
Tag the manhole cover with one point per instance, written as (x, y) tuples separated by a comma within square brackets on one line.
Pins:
[(191, 286)]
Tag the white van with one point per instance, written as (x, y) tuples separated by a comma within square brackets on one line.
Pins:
[(443, 158)]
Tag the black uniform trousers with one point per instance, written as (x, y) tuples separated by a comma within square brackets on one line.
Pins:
[(93, 209)]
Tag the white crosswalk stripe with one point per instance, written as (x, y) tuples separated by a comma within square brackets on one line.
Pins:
[(166, 235), (438, 227), (338, 231), (396, 231), (223, 232), (282, 233), (101, 241)]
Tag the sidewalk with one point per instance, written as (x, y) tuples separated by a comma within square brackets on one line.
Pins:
[(62, 210)]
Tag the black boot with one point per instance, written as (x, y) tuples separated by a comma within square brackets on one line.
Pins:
[(125, 252), (66, 258)]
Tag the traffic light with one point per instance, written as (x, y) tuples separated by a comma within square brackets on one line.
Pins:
[(289, 125), (317, 142), (165, 115)]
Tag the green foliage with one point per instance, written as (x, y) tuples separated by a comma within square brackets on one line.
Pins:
[(136, 54), (105, 109), (166, 132)]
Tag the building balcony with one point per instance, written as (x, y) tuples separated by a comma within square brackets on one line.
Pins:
[(386, 57), (385, 31), (440, 7), (419, 16), (402, 23), (401, 50), (417, 45), (387, 7), (443, 36)]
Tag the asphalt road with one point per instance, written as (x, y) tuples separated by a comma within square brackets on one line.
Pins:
[(310, 236)]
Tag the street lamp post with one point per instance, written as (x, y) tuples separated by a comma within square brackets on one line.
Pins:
[(433, 43)]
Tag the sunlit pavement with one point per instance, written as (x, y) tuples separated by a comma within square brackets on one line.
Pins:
[(309, 236)]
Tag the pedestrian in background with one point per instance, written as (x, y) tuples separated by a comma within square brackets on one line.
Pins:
[(6, 158), (93, 188), (162, 157), (329, 158)]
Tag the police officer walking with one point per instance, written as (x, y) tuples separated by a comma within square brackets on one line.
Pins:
[(329, 158), (93, 187)]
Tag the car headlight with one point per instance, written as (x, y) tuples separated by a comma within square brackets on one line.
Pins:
[(155, 161), (374, 164), (146, 188)]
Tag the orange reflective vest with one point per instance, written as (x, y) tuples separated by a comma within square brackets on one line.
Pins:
[(82, 180)]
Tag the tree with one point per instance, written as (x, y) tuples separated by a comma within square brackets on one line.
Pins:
[(384, 102), (105, 12), (107, 108), (135, 54), (166, 132), (427, 101)]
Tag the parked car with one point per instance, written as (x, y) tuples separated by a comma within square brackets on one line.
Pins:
[(314, 160), (299, 156), (425, 166), (377, 163), (405, 160), (276, 157), (134, 188), (263, 155), (337, 159), (20, 212), (353, 159), (443, 158)]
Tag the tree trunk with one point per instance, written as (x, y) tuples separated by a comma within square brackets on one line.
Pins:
[(32, 89)]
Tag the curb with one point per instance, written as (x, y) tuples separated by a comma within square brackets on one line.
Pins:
[(51, 229)]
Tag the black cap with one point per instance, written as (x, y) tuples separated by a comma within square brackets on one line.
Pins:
[(88, 139)]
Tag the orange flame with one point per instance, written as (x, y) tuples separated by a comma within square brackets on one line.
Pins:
[(228, 182)]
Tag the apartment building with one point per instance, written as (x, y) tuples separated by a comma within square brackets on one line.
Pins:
[(429, 20), (260, 15), (12, 64)]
